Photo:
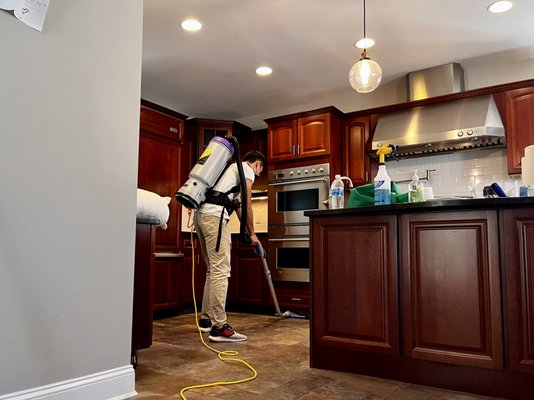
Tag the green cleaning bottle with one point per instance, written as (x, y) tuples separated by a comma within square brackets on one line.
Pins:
[(415, 192)]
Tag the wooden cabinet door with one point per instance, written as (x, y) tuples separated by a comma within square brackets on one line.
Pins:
[(354, 283), (356, 162), (143, 296), (451, 300), (159, 172), (207, 130), (248, 279), (255, 140), (167, 276), (519, 125), (313, 136), (519, 272), (282, 140)]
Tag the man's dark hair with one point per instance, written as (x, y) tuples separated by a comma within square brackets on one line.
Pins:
[(255, 155)]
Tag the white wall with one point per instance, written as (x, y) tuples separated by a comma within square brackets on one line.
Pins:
[(69, 106)]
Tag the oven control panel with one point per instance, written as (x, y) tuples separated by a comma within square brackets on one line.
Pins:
[(300, 172)]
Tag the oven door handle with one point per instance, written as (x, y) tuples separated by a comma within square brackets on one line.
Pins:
[(289, 240), (298, 181)]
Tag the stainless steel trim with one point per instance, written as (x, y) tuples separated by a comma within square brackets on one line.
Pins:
[(169, 255), (298, 181), (286, 239)]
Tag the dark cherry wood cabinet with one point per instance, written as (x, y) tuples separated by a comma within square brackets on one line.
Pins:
[(247, 283), (201, 131), (519, 125), (313, 134), (519, 269), (357, 133), (163, 147), (160, 169), (451, 288), (355, 288), (463, 320), (143, 297), (167, 278)]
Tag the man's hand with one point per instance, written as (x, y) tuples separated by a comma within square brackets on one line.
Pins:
[(255, 240)]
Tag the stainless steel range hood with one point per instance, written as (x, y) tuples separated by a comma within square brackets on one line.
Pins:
[(465, 124)]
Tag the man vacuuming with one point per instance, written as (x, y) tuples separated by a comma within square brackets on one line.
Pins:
[(210, 221)]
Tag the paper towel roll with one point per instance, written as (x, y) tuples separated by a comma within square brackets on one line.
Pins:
[(527, 170), (529, 151)]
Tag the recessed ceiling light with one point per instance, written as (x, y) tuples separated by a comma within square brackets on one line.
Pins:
[(500, 6), (264, 71), (191, 25), (364, 43)]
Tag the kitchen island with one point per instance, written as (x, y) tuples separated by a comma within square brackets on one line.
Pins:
[(439, 293)]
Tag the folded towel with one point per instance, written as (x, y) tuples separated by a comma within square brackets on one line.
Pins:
[(150, 204)]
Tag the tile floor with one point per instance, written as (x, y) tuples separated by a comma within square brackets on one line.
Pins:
[(277, 348)]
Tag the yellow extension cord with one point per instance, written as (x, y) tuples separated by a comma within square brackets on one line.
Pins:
[(226, 356)]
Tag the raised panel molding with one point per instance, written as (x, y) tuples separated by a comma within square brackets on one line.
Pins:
[(360, 269), (519, 255), (452, 271)]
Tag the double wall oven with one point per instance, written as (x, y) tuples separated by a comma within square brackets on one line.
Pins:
[(291, 192)]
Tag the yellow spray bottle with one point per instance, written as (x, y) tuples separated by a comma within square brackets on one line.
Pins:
[(382, 181)]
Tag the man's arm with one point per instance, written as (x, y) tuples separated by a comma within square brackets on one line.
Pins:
[(250, 215)]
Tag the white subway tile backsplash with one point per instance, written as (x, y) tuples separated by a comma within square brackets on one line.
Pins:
[(458, 174)]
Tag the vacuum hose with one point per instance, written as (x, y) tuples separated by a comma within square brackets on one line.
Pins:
[(244, 193)]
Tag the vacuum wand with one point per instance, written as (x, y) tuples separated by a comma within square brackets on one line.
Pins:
[(263, 255)]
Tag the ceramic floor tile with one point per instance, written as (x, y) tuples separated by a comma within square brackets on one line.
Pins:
[(277, 348)]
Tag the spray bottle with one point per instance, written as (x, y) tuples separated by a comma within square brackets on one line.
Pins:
[(382, 181)]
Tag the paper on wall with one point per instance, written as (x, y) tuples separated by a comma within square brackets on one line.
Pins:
[(31, 12)]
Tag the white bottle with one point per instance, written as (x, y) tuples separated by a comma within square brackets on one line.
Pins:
[(382, 183), (415, 193), (337, 193)]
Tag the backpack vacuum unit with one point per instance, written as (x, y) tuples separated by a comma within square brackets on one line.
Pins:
[(205, 173)]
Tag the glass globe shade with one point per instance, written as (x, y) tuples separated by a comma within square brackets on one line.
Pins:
[(365, 75)]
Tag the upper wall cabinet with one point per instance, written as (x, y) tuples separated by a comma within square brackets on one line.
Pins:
[(201, 131), (356, 142), (159, 169), (519, 125), (309, 135)]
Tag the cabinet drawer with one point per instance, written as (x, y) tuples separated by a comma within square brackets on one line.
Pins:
[(288, 299), (161, 124)]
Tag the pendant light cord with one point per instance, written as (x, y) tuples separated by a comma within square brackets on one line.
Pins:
[(364, 34)]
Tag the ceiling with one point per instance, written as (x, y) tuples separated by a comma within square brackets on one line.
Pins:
[(309, 45)]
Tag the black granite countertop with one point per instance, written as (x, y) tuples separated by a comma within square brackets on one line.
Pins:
[(141, 219), (432, 205)]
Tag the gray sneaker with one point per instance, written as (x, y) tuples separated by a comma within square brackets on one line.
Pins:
[(225, 334)]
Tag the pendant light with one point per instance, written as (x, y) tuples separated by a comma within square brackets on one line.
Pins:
[(365, 75)]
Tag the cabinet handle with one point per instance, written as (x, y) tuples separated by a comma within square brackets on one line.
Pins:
[(293, 150), (296, 299), (298, 148), (173, 129), (169, 255), (366, 176)]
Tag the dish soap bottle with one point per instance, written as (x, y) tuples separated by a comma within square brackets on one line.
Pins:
[(415, 193), (337, 193), (382, 181)]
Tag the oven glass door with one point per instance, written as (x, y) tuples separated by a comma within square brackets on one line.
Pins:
[(288, 200), (289, 259)]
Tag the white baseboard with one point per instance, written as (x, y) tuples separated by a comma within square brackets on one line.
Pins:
[(114, 384)]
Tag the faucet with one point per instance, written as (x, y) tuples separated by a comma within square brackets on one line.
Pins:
[(346, 178)]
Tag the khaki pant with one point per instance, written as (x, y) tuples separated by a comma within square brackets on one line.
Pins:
[(218, 264)]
